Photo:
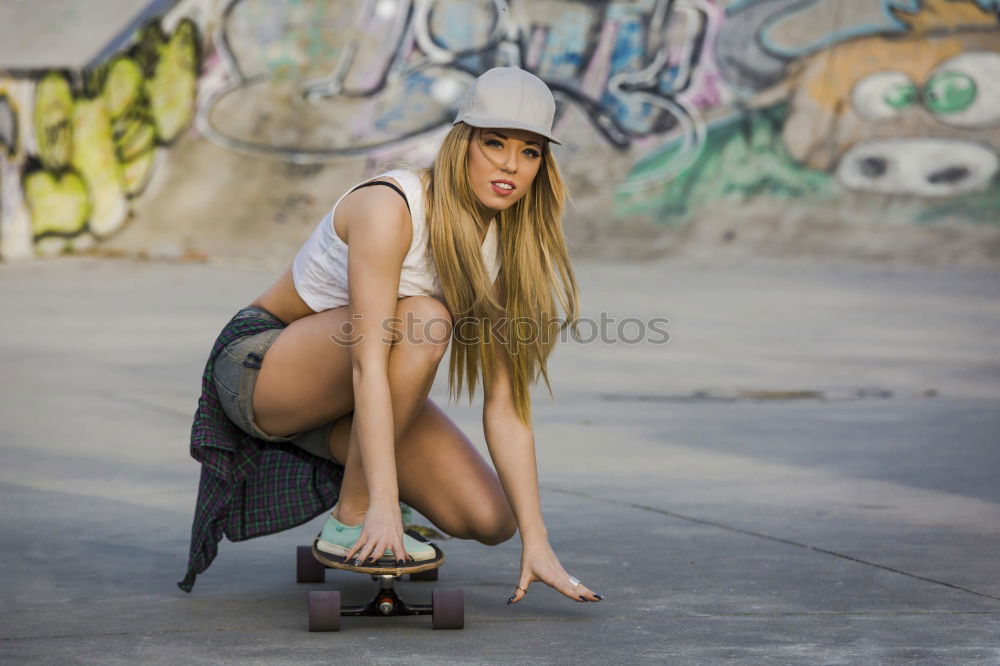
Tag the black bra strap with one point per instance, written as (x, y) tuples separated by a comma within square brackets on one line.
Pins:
[(383, 182)]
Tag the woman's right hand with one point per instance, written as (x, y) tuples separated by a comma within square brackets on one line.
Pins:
[(382, 529)]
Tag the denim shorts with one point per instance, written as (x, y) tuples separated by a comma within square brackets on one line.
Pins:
[(235, 374)]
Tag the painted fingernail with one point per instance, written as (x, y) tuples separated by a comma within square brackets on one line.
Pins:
[(357, 562), (511, 599), (599, 596)]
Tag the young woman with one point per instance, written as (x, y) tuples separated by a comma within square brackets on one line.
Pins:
[(457, 253)]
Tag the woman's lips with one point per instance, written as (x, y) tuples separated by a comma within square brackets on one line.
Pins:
[(501, 191)]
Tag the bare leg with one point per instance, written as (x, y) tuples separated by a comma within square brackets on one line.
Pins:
[(444, 477), (411, 370), (305, 381)]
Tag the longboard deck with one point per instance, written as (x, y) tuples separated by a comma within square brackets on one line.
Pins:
[(381, 567)]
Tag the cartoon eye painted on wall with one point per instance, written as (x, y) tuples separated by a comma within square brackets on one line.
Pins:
[(883, 94), (949, 92), (965, 90)]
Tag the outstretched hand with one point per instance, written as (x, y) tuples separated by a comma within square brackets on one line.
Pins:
[(539, 563)]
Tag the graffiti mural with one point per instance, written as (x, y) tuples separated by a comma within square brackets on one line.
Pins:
[(670, 109), (893, 98), (88, 141), (701, 100), (399, 72)]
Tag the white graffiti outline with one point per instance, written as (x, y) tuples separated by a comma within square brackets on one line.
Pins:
[(332, 84), (505, 32), (693, 129), (440, 56)]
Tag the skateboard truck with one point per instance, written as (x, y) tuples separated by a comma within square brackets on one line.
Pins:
[(387, 601), (447, 607)]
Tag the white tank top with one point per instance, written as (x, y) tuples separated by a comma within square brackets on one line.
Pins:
[(319, 270)]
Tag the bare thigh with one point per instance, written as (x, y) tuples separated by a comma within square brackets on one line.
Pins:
[(305, 377), (305, 380)]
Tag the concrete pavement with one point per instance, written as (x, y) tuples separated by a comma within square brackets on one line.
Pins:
[(805, 473)]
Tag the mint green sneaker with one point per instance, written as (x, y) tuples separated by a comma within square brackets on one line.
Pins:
[(407, 513), (336, 539)]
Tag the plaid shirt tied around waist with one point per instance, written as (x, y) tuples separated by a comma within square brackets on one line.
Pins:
[(249, 487)]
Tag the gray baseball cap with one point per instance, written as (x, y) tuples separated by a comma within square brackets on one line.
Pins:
[(509, 97)]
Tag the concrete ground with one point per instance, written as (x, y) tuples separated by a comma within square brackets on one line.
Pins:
[(805, 473)]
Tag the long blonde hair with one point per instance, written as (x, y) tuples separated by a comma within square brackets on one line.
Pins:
[(535, 270)]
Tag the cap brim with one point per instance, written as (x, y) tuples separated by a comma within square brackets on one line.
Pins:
[(499, 123)]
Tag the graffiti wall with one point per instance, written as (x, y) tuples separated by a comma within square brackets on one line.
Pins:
[(870, 106), (668, 108), (671, 112), (316, 80), (76, 147)]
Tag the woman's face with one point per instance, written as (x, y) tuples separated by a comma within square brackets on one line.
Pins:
[(501, 155)]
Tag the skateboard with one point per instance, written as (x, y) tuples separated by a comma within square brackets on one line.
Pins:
[(447, 607)]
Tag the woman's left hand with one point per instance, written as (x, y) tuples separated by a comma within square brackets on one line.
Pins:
[(539, 563)]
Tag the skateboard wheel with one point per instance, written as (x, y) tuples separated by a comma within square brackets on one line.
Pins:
[(307, 568), (430, 574), (447, 609), (324, 611)]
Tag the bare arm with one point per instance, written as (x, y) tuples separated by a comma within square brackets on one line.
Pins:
[(380, 232), (511, 444)]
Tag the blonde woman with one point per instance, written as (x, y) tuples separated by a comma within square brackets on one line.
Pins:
[(333, 364)]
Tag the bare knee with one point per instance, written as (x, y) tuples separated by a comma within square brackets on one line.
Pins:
[(496, 530), (424, 326)]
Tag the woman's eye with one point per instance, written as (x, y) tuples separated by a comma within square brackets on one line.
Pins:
[(530, 151)]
